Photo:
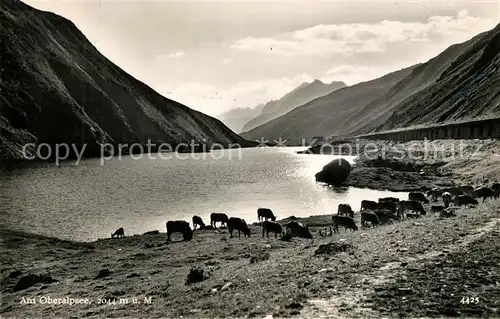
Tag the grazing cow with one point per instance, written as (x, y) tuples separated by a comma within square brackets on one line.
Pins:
[(118, 233), (390, 206), (384, 215), (455, 191), (179, 226), (238, 224), (218, 217), (273, 227), (467, 189), (197, 221), (370, 217), (345, 221), (496, 189), (345, 209), (265, 214), (388, 199), (464, 200), (368, 205), (434, 194), (411, 205), (484, 193), (437, 208), (296, 229), (446, 199), (419, 197)]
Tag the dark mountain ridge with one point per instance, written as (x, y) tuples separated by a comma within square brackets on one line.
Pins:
[(300, 95), (460, 83), (326, 115), (466, 89), (57, 88)]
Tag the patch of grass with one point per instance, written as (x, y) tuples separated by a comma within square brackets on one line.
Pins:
[(196, 274)]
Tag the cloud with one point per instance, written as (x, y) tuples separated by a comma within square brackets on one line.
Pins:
[(352, 74), (227, 61), (207, 98), (174, 55), (348, 39)]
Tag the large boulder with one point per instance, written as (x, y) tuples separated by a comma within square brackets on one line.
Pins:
[(335, 172)]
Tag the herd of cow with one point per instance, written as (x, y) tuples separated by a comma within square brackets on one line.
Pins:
[(386, 210), (264, 215), (391, 209)]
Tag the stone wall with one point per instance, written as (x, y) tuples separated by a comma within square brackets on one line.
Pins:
[(478, 129)]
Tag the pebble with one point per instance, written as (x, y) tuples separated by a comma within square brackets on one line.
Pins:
[(226, 286)]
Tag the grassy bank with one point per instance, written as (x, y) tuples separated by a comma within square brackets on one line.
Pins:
[(256, 276), (423, 165)]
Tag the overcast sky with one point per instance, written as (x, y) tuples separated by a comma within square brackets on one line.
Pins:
[(217, 56)]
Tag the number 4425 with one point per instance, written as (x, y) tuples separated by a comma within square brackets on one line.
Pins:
[(469, 300)]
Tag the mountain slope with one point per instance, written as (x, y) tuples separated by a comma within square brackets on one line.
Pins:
[(462, 82), (468, 88), (300, 95), (56, 87), (325, 115), (235, 119)]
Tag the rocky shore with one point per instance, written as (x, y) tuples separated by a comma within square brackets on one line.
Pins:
[(420, 165), (414, 268), (431, 266)]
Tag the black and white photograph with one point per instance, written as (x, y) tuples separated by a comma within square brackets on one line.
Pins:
[(249, 159)]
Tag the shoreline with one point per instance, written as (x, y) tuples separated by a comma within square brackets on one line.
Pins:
[(413, 268), (286, 278), (424, 165)]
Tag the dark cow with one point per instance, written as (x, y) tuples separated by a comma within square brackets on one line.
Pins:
[(368, 205), (179, 226), (296, 229), (345, 221), (496, 188), (370, 217), (447, 198), (385, 216), (265, 214), (345, 209), (238, 224), (419, 197), (484, 193), (118, 233), (467, 189), (271, 227), (411, 205), (455, 191), (218, 218), (388, 199), (390, 206), (197, 221), (437, 208), (464, 200), (435, 193)]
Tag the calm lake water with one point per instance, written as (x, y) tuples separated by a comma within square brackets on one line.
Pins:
[(89, 201)]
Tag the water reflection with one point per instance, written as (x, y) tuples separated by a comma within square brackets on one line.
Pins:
[(90, 201)]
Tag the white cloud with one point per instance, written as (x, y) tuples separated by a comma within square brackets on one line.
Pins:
[(174, 55), (349, 39), (208, 99), (227, 61), (352, 74)]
